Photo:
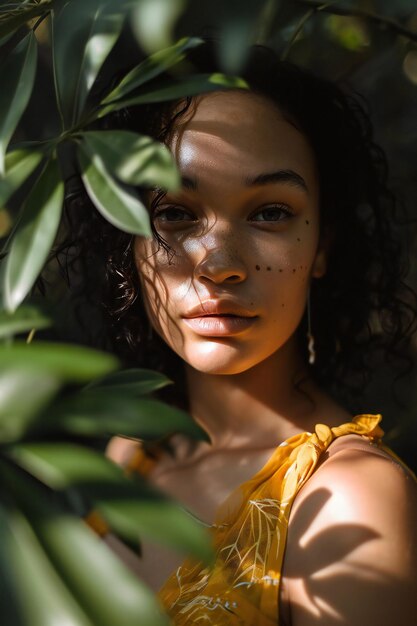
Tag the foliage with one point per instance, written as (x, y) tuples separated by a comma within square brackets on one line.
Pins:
[(54, 568), (57, 400)]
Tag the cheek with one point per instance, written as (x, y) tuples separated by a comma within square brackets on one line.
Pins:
[(286, 271), (165, 279), (288, 257), (150, 270)]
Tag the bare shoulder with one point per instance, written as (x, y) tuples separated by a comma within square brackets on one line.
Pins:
[(121, 450), (351, 554)]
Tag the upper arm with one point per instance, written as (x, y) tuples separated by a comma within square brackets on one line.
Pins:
[(351, 555), (120, 450)]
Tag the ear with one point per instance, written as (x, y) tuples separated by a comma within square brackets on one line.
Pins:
[(320, 261)]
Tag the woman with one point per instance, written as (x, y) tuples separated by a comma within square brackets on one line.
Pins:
[(271, 279)]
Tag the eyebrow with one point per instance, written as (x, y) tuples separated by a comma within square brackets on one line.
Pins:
[(281, 176), (189, 183), (288, 177)]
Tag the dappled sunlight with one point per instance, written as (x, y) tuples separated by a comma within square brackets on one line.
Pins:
[(320, 570)]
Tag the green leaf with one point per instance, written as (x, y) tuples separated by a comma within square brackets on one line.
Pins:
[(10, 611), (22, 320), (237, 35), (132, 382), (99, 412), (153, 22), (134, 159), (23, 395), (64, 466), (131, 508), (108, 591), (19, 165), (84, 32), (17, 75), (6, 223), (103, 35), (179, 88), (73, 563), (120, 207), (39, 596), (68, 362), (34, 236), (238, 25), (161, 521), (348, 31), (152, 66), (5, 38)]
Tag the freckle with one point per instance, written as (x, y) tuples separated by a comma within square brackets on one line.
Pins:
[(280, 270), (282, 304), (294, 270), (307, 222), (268, 268), (298, 239), (257, 268)]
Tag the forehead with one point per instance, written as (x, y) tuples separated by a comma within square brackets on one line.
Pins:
[(240, 134)]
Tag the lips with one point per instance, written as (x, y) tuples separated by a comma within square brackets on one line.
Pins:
[(219, 318), (219, 308)]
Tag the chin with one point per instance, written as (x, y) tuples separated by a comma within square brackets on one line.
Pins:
[(216, 358)]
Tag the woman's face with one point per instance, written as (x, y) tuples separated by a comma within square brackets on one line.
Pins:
[(244, 231)]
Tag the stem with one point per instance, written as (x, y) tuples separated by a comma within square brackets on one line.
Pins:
[(296, 32), (380, 20), (57, 94), (40, 20), (31, 335), (301, 24), (266, 21)]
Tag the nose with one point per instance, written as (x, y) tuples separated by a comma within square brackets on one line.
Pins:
[(220, 265)]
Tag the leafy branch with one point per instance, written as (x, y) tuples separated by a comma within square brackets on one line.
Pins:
[(379, 20)]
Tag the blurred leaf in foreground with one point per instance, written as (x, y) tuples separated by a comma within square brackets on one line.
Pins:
[(24, 319), (78, 579), (68, 362), (178, 88), (17, 78), (131, 508), (134, 159), (23, 394), (153, 22), (133, 382), (152, 67), (119, 206), (33, 237), (19, 164), (84, 32)]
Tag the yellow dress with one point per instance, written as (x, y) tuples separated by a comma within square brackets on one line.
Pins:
[(249, 535)]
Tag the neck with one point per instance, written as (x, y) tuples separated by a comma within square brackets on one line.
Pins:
[(257, 408)]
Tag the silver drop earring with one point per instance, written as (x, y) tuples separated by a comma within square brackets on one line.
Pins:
[(310, 338)]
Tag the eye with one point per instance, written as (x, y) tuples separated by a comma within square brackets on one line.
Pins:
[(272, 213), (173, 214)]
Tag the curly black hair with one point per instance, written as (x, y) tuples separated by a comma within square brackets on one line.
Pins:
[(362, 311)]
